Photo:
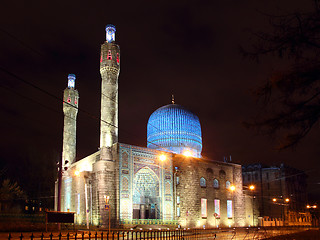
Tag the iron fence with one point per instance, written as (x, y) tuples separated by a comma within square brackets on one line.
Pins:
[(168, 234)]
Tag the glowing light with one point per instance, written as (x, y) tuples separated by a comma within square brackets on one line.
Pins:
[(163, 157), (187, 153), (71, 80), (287, 199), (198, 223), (232, 188), (314, 206), (77, 173), (251, 187), (110, 33), (274, 199), (106, 198)]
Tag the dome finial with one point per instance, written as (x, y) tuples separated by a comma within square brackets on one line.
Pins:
[(172, 99)]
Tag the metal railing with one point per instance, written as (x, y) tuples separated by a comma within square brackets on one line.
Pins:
[(163, 234)]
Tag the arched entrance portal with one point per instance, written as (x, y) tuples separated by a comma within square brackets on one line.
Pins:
[(146, 199)]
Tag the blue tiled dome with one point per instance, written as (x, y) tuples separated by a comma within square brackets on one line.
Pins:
[(174, 128)]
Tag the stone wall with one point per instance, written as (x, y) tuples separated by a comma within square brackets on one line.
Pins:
[(189, 172)]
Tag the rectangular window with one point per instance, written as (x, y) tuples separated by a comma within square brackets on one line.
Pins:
[(78, 207), (229, 209), (177, 181), (217, 208), (178, 212), (203, 207), (178, 199)]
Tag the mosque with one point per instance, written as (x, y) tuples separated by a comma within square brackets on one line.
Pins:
[(167, 183)]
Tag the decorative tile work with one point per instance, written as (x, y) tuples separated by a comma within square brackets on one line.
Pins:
[(173, 128)]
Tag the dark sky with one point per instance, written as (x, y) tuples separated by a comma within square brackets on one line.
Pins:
[(189, 48)]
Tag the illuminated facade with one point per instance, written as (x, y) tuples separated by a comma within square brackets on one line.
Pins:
[(157, 185)]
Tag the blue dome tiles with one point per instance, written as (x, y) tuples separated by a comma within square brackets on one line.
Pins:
[(173, 128)]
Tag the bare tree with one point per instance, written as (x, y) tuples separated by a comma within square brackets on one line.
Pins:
[(290, 99), (9, 193)]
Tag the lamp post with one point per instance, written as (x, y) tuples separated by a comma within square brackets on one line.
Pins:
[(313, 214), (252, 187), (283, 203), (232, 188), (107, 198), (287, 200)]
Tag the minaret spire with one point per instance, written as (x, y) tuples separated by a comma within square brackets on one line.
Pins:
[(70, 110), (172, 99), (109, 70), (106, 181)]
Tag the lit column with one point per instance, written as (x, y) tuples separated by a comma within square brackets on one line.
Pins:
[(70, 110), (109, 70)]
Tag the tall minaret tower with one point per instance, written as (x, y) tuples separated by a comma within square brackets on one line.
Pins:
[(109, 70), (105, 174), (70, 110)]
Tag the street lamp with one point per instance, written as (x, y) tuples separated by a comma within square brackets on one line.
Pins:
[(314, 206), (252, 187), (107, 198), (187, 153), (162, 157), (232, 188), (284, 202)]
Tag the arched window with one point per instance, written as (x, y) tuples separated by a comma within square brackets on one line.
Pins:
[(202, 182), (209, 171), (227, 184), (222, 174), (216, 183), (109, 56)]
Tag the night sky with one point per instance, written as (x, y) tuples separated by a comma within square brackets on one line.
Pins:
[(186, 48)]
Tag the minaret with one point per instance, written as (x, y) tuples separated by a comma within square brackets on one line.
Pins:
[(70, 110), (109, 70), (105, 174)]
